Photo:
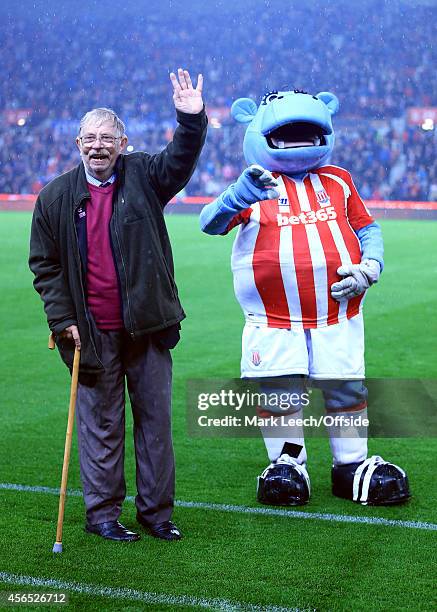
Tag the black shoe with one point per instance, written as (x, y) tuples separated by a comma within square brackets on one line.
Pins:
[(164, 531), (113, 530), (372, 482)]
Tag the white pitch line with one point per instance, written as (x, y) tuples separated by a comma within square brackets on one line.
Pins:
[(297, 514), (133, 595), (321, 516)]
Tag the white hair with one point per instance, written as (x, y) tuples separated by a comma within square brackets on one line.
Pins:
[(103, 114)]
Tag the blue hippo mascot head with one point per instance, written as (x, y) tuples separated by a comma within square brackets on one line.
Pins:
[(289, 132)]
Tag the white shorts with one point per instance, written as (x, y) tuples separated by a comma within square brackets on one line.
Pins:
[(334, 351)]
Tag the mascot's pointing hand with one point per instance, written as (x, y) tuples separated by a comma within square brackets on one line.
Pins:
[(359, 277), (254, 185)]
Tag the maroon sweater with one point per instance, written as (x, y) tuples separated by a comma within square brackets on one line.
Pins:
[(104, 299)]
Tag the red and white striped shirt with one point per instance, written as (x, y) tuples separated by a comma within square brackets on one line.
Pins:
[(287, 251)]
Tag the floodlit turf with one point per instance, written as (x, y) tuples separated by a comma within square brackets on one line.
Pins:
[(250, 559)]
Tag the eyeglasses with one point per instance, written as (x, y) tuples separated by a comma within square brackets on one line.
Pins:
[(105, 139)]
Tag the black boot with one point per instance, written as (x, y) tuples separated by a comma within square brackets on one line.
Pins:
[(372, 482)]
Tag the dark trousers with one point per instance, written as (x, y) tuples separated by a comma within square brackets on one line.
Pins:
[(147, 367)]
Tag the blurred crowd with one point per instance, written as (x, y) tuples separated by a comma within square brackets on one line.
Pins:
[(377, 60)]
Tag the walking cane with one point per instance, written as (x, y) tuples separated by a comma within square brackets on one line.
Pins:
[(57, 547)]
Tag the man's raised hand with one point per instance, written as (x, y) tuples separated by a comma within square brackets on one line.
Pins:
[(186, 98)]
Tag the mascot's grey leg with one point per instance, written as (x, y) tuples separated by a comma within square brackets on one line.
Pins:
[(372, 480), (285, 482)]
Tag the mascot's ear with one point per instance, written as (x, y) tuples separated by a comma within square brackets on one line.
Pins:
[(244, 110), (330, 100)]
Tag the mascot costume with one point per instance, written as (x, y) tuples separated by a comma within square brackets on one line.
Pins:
[(306, 251)]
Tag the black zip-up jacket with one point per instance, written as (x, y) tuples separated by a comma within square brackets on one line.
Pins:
[(139, 238)]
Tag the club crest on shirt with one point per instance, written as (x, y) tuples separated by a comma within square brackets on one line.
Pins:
[(81, 212), (256, 358), (323, 198)]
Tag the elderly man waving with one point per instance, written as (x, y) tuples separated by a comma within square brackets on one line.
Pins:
[(103, 266)]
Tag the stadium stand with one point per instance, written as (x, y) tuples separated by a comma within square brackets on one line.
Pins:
[(378, 62)]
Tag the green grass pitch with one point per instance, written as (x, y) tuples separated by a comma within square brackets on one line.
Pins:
[(246, 559)]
